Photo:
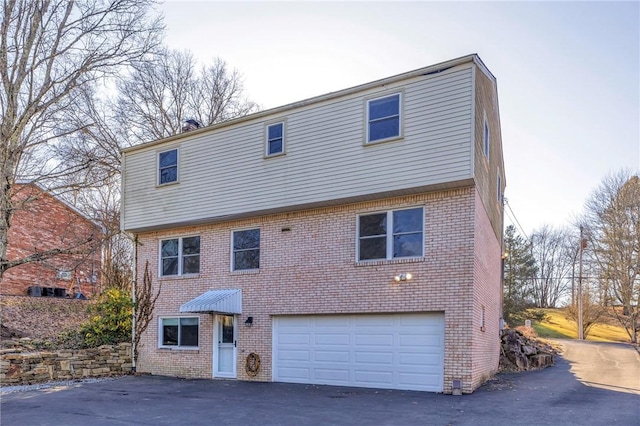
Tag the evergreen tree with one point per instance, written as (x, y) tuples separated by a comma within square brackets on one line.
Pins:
[(519, 271)]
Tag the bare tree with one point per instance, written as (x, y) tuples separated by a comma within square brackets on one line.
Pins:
[(143, 307), (553, 256), (159, 96), (49, 51), (612, 217)]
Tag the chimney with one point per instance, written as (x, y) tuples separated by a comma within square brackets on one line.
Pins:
[(190, 125)]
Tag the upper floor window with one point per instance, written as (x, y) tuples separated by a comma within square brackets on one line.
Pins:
[(383, 118), (499, 187), (486, 138), (168, 167), (180, 332), (275, 139), (390, 235), (180, 256), (246, 250)]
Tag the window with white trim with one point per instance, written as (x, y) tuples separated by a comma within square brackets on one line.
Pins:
[(181, 332), (168, 166), (499, 189), (383, 118), (390, 235), (275, 139), (180, 256), (486, 138), (245, 250)]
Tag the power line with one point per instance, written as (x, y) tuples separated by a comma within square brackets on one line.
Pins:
[(514, 218)]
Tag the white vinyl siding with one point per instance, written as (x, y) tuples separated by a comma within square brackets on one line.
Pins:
[(223, 174), (390, 351)]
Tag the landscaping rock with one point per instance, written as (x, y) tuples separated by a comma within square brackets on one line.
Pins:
[(520, 353)]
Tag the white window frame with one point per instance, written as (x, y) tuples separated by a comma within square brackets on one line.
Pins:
[(178, 346), (180, 256), (267, 140), (389, 235), (499, 189), (232, 260), (158, 169), (368, 102), (486, 138)]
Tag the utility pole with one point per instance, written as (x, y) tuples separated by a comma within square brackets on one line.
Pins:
[(580, 328)]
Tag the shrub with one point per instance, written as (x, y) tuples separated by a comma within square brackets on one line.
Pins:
[(110, 319)]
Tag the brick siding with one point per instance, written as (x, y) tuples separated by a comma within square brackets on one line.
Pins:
[(311, 269), (46, 223)]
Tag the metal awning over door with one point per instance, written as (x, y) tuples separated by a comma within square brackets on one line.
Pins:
[(218, 301)]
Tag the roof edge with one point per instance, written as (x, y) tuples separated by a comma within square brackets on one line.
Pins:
[(431, 69)]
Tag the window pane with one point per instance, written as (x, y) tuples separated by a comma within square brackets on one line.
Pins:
[(169, 334), (227, 329), (246, 259), (384, 107), (169, 158), (169, 175), (383, 129), (169, 248), (170, 266), (169, 321), (407, 220), (407, 245), (246, 239), (275, 131), (191, 245), (189, 335), (373, 248), (373, 224), (275, 146), (191, 264)]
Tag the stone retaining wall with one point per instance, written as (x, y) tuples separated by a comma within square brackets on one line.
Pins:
[(17, 367)]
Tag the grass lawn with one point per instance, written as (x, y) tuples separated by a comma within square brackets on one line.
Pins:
[(557, 326)]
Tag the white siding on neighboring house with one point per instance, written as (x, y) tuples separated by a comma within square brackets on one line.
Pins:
[(224, 172)]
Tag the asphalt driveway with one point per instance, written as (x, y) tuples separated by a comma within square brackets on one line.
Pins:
[(553, 396)]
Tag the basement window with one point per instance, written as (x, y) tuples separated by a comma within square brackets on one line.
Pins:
[(181, 332)]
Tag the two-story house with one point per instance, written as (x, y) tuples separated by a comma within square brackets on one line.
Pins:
[(349, 239)]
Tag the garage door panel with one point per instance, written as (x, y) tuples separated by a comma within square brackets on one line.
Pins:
[(294, 338), (329, 375), (371, 377), (419, 359), (367, 357), (295, 375), (332, 339), (332, 356), (374, 339), (294, 355), (391, 351)]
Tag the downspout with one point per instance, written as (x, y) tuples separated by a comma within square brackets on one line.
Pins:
[(133, 299)]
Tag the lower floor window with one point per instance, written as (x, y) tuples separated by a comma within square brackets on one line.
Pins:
[(179, 331)]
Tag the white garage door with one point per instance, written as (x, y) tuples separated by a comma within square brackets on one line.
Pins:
[(399, 351)]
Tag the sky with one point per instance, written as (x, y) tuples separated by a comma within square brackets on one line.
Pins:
[(568, 74)]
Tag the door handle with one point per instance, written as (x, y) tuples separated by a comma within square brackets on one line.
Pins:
[(234, 344)]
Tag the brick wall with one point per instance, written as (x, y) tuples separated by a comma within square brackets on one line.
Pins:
[(487, 300), (42, 222), (311, 269)]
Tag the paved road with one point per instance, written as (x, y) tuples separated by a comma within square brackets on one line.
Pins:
[(612, 366), (553, 396)]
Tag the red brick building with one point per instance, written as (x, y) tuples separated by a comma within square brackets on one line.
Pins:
[(43, 222)]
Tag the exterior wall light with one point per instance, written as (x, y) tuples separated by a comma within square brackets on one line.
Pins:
[(405, 276), (249, 322)]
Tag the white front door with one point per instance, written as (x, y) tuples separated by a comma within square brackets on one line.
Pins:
[(225, 336)]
